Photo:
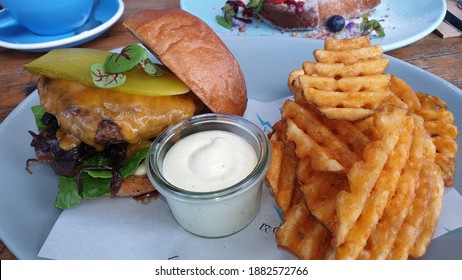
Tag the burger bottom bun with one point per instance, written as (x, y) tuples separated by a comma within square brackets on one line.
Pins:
[(135, 185)]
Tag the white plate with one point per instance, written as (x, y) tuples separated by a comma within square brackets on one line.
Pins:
[(27, 213), (404, 21), (18, 38)]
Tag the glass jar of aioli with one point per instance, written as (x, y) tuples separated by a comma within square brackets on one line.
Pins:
[(216, 212)]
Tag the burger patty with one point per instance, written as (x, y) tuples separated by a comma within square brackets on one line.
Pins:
[(108, 132), (98, 116)]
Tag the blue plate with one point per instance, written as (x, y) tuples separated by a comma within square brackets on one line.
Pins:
[(27, 212), (404, 22), (19, 38)]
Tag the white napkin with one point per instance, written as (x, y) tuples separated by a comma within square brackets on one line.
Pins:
[(122, 228)]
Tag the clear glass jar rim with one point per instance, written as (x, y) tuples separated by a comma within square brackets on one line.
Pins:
[(192, 125)]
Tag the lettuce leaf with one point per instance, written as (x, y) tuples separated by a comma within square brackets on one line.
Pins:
[(38, 112), (96, 183)]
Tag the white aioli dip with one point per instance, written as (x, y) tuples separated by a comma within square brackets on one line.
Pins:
[(209, 161)]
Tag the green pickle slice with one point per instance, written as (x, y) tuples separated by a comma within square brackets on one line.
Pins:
[(74, 64)]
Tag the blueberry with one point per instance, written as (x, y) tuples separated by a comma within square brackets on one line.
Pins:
[(335, 23)]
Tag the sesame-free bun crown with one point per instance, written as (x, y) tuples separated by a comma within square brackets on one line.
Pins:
[(195, 54)]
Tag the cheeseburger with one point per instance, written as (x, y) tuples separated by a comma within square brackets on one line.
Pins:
[(97, 138)]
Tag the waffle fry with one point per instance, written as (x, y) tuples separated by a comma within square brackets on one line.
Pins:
[(404, 92), (431, 216), (320, 192), (353, 84), (287, 179), (341, 70), (439, 123), (303, 235), (376, 203), (317, 130), (348, 56), (306, 146), (323, 99), (347, 114), (411, 226), (342, 44), (364, 174), (361, 159), (381, 241)]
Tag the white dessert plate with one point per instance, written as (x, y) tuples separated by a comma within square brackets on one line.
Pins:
[(27, 213), (16, 37), (404, 22)]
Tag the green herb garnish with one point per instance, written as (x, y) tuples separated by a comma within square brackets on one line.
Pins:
[(111, 73), (38, 112), (368, 26), (228, 14), (231, 11), (103, 79), (96, 183)]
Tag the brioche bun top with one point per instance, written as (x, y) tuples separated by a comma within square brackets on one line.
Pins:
[(195, 54)]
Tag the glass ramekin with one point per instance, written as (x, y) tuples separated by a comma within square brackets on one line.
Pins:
[(217, 213)]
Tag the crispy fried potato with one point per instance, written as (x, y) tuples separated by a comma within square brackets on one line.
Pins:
[(334, 99), (274, 170), (360, 159), (306, 146), (346, 44), (431, 215), (377, 201), (293, 83), (348, 56), (401, 89), (317, 130), (287, 179), (341, 70), (363, 175), (320, 192), (411, 227), (347, 114), (381, 241), (439, 123), (354, 84), (303, 235)]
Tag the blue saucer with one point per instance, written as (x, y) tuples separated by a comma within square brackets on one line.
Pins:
[(19, 38)]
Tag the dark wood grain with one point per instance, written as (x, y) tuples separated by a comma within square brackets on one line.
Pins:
[(442, 57)]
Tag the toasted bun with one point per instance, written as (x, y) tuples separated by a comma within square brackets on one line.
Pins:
[(191, 50), (135, 185)]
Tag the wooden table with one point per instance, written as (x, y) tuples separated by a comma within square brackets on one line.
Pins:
[(442, 57)]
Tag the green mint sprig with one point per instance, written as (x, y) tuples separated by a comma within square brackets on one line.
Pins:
[(367, 26), (110, 74)]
